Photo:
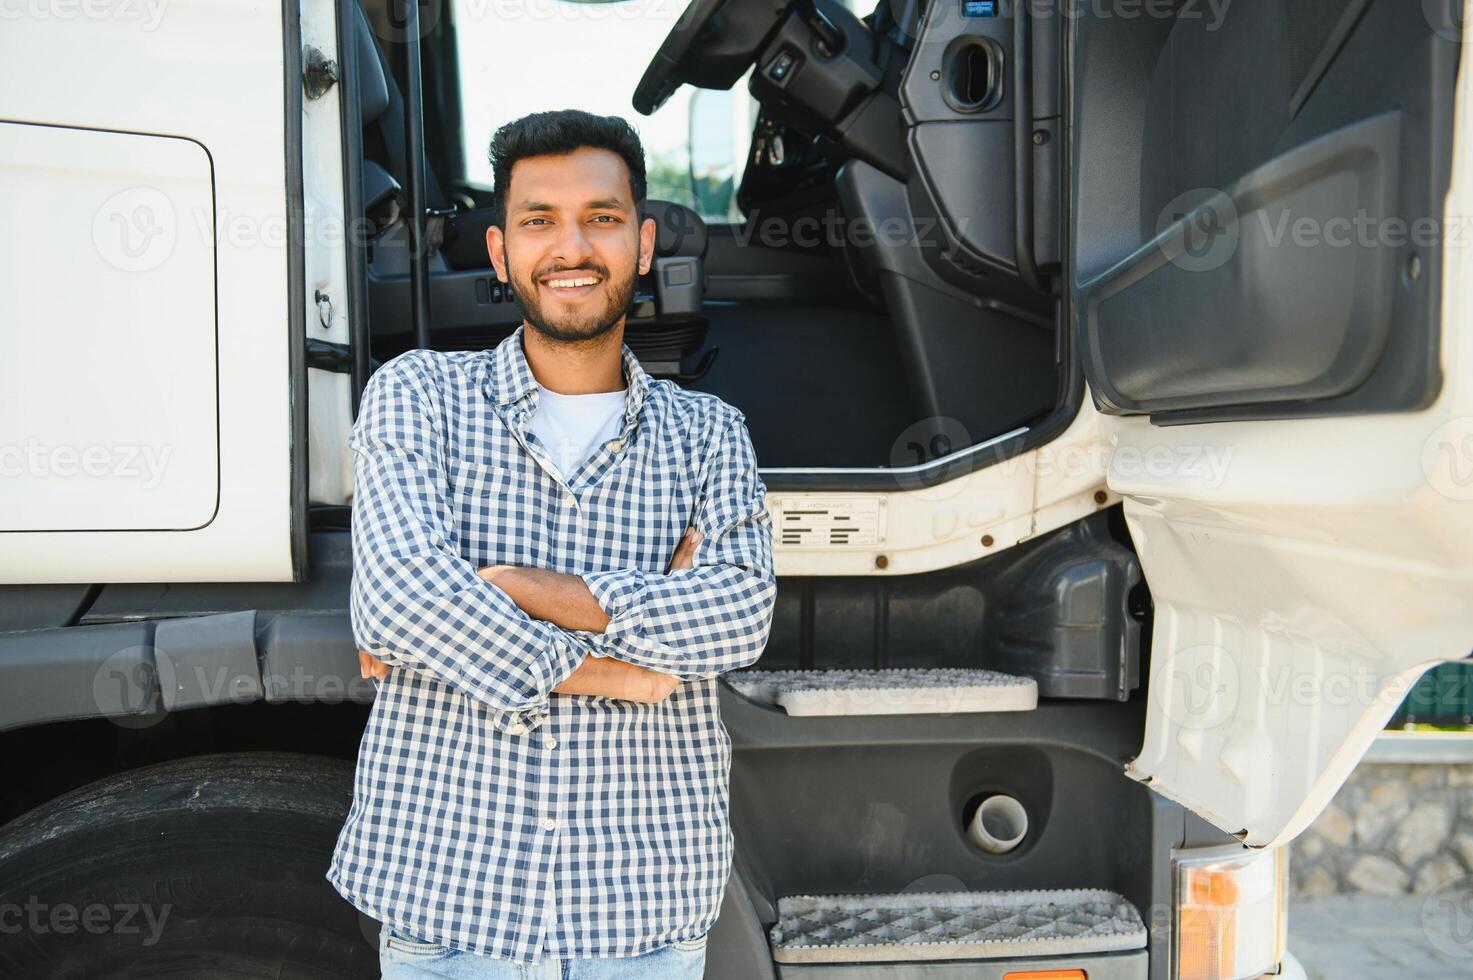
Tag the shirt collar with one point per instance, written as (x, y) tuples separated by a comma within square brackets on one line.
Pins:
[(510, 379)]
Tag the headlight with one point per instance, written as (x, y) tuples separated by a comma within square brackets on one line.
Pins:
[(1230, 912)]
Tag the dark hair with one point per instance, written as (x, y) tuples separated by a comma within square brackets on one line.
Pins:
[(556, 133)]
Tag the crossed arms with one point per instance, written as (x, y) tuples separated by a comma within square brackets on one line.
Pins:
[(564, 600), (510, 637)]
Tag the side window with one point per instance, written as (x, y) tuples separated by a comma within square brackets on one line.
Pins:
[(538, 55)]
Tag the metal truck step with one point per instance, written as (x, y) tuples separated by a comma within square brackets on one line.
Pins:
[(893, 691), (915, 926)]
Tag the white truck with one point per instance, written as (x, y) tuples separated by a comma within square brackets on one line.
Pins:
[(1110, 365)]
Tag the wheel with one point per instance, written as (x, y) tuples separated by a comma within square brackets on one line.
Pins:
[(205, 867)]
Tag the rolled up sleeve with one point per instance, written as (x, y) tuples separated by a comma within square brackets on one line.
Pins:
[(717, 615), (414, 601)]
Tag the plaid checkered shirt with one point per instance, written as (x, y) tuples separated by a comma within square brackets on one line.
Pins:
[(490, 814)]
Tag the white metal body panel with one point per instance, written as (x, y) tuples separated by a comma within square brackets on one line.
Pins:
[(211, 72), (108, 330)]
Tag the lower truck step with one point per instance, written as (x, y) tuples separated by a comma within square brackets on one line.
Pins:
[(891, 691), (929, 926)]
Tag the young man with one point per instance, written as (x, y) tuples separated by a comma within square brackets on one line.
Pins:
[(542, 786)]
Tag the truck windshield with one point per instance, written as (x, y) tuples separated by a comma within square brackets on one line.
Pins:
[(534, 55)]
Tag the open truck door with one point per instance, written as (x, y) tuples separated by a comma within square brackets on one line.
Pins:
[(1285, 359), (151, 331)]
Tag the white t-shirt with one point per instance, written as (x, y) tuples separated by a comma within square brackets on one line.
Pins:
[(572, 427)]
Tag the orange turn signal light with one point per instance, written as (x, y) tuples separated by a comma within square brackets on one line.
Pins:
[(1047, 975)]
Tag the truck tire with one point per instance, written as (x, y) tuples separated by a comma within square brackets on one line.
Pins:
[(204, 867)]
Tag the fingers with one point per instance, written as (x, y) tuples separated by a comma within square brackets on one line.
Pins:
[(666, 686), (372, 667), (685, 552), (656, 687)]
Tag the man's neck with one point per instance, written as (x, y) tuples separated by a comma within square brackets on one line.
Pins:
[(580, 367)]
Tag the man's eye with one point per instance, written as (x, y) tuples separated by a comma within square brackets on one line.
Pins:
[(530, 220), (603, 216)]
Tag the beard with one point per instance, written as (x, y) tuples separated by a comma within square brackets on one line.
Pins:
[(572, 326)]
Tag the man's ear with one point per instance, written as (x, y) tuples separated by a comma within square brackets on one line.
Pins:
[(496, 245), (646, 244)]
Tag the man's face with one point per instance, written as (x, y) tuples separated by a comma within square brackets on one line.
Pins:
[(573, 244)]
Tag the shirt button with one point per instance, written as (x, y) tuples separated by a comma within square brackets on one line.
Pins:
[(517, 728), (549, 824), (616, 445), (552, 741)]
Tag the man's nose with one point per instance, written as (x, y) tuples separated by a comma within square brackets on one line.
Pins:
[(571, 246)]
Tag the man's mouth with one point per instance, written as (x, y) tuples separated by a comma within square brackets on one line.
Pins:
[(573, 284)]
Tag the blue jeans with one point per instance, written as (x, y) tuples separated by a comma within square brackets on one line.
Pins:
[(403, 957)]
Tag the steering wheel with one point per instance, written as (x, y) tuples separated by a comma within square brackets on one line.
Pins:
[(667, 68), (712, 44)]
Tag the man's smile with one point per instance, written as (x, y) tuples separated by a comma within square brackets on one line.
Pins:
[(571, 285)]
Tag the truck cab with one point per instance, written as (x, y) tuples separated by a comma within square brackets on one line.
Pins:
[(1109, 366)]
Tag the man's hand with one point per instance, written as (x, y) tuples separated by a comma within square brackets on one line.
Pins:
[(372, 667), (685, 552), (539, 592), (601, 676), (610, 678)]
